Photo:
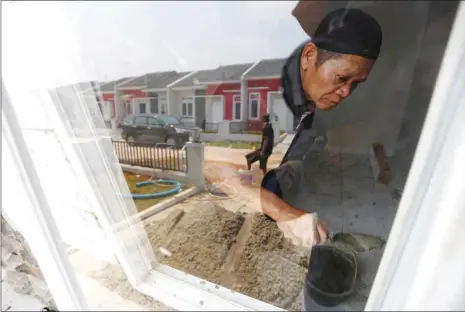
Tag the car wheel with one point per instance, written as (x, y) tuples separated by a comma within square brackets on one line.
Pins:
[(171, 141), (131, 141)]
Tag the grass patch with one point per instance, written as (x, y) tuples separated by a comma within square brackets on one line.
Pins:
[(142, 204), (235, 144)]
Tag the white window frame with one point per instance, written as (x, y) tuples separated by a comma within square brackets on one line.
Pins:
[(188, 101), (251, 95), (236, 99), (424, 251), (422, 265)]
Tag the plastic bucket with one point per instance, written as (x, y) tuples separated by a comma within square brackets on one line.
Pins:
[(245, 176), (331, 276)]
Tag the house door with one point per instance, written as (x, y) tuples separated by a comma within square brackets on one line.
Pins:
[(280, 111), (217, 111)]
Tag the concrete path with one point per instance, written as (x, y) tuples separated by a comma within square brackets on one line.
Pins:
[(284, 145)]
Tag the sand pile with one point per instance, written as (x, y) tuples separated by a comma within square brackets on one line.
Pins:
[(198, 241), (248, 253)]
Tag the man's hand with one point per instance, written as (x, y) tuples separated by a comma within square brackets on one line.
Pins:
[(304, 230), (300, 227)]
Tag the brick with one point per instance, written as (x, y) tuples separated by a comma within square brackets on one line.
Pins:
[(379, 164)]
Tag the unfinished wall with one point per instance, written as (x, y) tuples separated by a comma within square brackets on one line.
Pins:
[(434, 40), (19, 267), (374, 112)]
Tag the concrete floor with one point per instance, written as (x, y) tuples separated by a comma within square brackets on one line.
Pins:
[(346, 197)]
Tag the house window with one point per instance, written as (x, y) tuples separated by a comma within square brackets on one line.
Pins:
[(254, 105), (163, 108), (129, 108), (237, 107), (142, 108), (187, 108)]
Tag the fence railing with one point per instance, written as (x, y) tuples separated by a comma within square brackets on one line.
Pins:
[(145, 155)]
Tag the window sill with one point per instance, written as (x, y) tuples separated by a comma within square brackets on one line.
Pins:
[(185, 292)]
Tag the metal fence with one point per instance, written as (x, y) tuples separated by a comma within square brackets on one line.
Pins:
[(145, 155)]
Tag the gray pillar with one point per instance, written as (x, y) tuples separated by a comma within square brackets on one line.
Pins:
[(244, 101), (195, 164)]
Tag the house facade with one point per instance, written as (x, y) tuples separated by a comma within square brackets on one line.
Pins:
[(208, 95), (264, 94), (240, 93)]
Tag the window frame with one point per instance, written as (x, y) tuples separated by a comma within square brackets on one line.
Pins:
[(252, 94), (396, 284), (187, 101), (236, 99)]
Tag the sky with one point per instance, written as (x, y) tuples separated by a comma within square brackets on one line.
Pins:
[(117, 39)]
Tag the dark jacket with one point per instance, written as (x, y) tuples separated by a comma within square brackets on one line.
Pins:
[(306, 149)]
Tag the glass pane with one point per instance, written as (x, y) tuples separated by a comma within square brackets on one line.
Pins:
[(140, 120), (348, 164), (254, 109), (237, 111), (184, 109), (142, 108)]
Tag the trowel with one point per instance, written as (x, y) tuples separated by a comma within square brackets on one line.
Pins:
[(355, 242)]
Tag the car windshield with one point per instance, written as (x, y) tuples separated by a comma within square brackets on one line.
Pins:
[(169, 120)]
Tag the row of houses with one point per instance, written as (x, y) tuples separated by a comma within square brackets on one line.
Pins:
[(242, 93)]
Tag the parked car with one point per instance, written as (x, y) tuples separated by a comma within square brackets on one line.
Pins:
[(155, 129)]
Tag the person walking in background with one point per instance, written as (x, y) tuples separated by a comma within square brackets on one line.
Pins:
[(266, 148)]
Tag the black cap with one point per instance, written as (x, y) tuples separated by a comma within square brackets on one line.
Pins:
[(349, 31)]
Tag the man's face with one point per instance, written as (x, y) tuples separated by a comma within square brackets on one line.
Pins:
[(327, 84)]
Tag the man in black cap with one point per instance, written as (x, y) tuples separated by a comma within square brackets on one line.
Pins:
[(318, 75), (266, 147)]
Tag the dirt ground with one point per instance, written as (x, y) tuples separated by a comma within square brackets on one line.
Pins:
[(244, 252)]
